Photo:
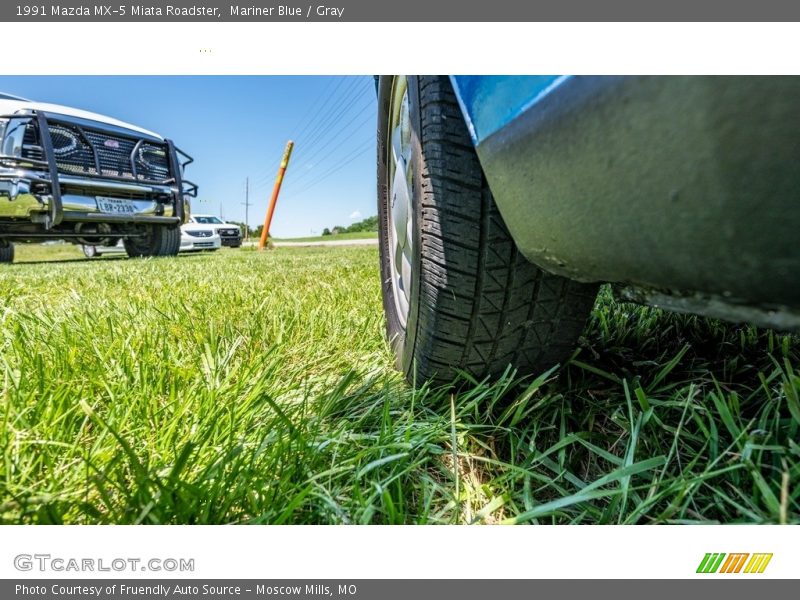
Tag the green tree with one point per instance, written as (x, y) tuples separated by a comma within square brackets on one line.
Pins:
[(368, 224)]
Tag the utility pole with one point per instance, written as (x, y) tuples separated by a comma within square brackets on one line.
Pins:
[(247, 206), (275, 191)]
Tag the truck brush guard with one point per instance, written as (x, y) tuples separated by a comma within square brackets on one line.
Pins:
[(94, 157)]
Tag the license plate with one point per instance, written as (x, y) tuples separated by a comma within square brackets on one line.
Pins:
[(115, 206)]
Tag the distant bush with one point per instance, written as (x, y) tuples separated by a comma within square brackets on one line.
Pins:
[(368, 224)]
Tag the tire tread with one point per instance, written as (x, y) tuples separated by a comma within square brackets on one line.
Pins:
[(496, 308), (7, 253)]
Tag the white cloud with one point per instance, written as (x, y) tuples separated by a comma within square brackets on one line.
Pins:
[(355, 215)]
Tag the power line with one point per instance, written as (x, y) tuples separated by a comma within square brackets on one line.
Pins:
[(329, 119), (326, 126), (247, 205), (331, 104), (325, 100), (264, 177), (331, 131), (337, 138), (358, 151), (337, 167)]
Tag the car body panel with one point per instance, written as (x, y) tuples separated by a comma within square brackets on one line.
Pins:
[(685, 186), (490, 103)]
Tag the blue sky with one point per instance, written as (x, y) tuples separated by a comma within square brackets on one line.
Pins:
[(236, 127)]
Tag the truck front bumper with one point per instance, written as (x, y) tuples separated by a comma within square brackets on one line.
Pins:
[(230, 241), (20, 199), (35, 190)]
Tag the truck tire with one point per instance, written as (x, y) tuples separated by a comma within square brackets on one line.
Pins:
[(90, 251), (457, 294), (161, 240), (6, 252)]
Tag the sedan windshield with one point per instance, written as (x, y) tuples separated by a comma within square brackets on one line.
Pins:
[(206, 220)]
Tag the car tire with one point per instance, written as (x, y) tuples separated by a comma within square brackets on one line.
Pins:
[(6, 252), (90, 251), (457, 294), (160, 240)]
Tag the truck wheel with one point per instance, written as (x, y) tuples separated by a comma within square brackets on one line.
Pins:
[(89, 251), (6, 252), (160, 240), (457, 294)]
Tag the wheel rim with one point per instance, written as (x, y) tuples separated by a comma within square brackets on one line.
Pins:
[(401, 213)]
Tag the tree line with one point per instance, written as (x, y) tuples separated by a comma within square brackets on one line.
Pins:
[(368, 224)]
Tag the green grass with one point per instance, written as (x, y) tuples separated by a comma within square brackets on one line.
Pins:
[(39, 253), (355, 235), (255, 387)]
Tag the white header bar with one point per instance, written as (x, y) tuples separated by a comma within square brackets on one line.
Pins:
[(371, 48)]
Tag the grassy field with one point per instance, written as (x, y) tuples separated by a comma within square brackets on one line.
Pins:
[(27, 253), (255, 387)]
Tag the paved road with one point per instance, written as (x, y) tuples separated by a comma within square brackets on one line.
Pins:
[(364, 242)]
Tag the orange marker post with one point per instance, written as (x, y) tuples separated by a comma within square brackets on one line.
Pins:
[(275, 191)]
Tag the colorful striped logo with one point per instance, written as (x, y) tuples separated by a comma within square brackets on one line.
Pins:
[(719, 562)]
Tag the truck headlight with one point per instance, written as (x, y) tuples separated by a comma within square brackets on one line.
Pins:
[(13, 136)]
